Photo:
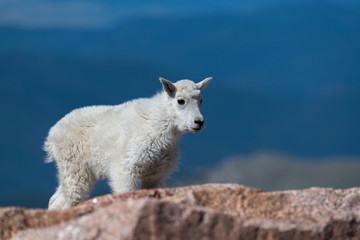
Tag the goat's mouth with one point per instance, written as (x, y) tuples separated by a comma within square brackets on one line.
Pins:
[(196, 129)]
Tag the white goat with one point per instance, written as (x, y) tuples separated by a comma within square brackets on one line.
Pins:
[(131, 143)]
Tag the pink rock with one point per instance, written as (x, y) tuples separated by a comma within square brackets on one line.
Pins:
[(212, 211)]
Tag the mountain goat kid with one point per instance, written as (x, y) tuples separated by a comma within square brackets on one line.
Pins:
[(131, 143)]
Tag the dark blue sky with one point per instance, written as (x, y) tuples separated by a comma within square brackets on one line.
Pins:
[(286, 74), (88, 14)]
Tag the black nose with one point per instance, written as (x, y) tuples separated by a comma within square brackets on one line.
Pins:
[(199, 121)]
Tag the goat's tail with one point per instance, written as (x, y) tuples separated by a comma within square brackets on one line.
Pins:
[(48, 148)]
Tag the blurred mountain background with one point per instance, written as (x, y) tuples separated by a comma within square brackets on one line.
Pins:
[(282, 112)]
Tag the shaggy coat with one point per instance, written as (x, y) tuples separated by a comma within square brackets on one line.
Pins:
[(133, 144)]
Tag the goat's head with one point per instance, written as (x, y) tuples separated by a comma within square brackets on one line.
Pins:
[(185, 98)]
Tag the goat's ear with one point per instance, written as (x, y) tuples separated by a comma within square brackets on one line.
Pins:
[(168, 86), (201, 85)]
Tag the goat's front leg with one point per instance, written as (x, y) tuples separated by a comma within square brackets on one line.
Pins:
[(121, 180), (153, 182)]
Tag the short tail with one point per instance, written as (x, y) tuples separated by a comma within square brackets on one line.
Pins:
[(48, 148)]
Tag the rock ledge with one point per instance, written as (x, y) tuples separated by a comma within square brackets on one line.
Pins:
[(212, 211)]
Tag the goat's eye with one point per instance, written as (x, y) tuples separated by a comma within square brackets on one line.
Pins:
[(181, 101), (201, 101)]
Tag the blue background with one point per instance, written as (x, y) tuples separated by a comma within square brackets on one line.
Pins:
[(286, 85)]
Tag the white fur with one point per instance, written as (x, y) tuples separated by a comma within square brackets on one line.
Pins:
[(131, 144)]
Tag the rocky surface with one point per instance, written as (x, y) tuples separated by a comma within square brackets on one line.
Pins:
[(212, 211)]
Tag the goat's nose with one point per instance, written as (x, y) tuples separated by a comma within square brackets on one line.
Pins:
[(199, 121)]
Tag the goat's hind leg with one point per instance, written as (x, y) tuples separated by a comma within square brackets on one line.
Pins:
[(75, 183)]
